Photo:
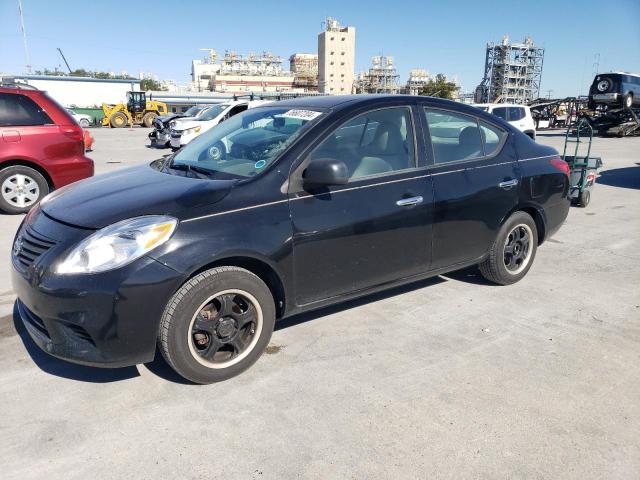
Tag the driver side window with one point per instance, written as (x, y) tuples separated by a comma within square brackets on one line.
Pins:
[(372, 143)]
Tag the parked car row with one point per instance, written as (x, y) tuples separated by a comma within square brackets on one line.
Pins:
[(281, 209), (178, 130)]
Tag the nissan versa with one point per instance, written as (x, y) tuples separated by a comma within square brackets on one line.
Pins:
[(281, 209)]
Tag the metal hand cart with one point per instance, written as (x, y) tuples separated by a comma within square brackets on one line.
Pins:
[(583, 167)]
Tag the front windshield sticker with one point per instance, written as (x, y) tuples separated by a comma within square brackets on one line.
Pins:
[(260, 164), (300, 114)]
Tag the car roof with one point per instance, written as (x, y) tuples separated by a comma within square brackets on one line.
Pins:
[(498, 105)]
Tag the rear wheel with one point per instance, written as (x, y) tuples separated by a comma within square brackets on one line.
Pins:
[(84, 123), (217, 325), (513, 250), (118, 120), (21, 188), (148, 119), (627, 100)]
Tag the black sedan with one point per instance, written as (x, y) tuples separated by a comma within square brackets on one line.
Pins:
[(281, 209)]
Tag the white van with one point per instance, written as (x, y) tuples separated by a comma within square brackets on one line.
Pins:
[(517, 115)]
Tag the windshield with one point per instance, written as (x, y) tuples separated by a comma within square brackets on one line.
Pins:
[(246, 144), (191, 112), (211, 113)]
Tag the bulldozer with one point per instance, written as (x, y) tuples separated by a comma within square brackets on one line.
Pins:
[(137, 111)]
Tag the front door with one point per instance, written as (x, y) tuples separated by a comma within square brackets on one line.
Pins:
[(475, 181), (376, 228)]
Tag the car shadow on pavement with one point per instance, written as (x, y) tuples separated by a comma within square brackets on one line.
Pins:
[(468, 275), (159, 366), (627, 177)]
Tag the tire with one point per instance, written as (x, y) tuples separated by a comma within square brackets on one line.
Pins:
[(494, 268), (148, 119), (584, 199), (84, 123), (627, 101), (15, 200), (118, 120), (202, 300)]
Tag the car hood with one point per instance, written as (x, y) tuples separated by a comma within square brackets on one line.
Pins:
[(105, 199)]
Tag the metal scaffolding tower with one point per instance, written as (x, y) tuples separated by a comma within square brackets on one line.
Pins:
[(512, 72), (382, 77)]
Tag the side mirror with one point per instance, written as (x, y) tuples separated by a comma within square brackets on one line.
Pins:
[(325, 171)]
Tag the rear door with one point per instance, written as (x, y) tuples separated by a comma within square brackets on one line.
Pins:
[(27, 131), (376, 228), (475, 178)]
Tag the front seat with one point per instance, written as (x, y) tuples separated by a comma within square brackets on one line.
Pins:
[(470, 143), (386, 152)]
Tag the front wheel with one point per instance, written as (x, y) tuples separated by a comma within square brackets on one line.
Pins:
[(118, 120), (627, 100), (513, 250), (217, 325), (84, 123)]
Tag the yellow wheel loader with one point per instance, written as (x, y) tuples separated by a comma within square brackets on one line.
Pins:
[(137, 111)]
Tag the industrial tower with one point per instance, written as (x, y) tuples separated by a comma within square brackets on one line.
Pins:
[(512, 72)]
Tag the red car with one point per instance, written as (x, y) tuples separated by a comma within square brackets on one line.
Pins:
[(41, 147)]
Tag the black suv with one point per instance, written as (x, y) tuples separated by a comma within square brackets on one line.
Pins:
[(313, 201), (615, 89)]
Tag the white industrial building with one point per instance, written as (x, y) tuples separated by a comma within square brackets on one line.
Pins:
[(236, 73), (336, 58), (81, 92)]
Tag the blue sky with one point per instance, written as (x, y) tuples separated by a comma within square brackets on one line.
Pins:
[(163, 36)]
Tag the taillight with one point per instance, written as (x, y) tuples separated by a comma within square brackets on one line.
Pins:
[(561, 165), (72, 131)]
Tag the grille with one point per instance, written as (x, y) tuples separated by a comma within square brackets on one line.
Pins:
[(32, 245), (33, 320)]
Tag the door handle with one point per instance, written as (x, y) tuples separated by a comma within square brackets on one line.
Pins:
[(508, 184), (407, 202)]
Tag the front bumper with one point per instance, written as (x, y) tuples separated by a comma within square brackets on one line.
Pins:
[(175, 141), (108, 319), (160, 139)]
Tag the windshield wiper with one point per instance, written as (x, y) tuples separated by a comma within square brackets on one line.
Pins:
[(187, 167)]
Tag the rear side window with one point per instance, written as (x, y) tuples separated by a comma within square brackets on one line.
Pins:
[(18, 110), (500, 112), (492, 137), (516, 113), (454, 136)]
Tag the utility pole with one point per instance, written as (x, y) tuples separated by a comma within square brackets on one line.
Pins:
[(24, 38), (65, 60)]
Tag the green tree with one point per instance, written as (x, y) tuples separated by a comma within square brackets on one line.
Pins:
[(150, 84), (440, 87)]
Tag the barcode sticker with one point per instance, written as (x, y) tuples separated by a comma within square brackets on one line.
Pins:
[(301, 114)]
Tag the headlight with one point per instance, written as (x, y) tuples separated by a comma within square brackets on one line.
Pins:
[(172, 124), (118, 244)]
